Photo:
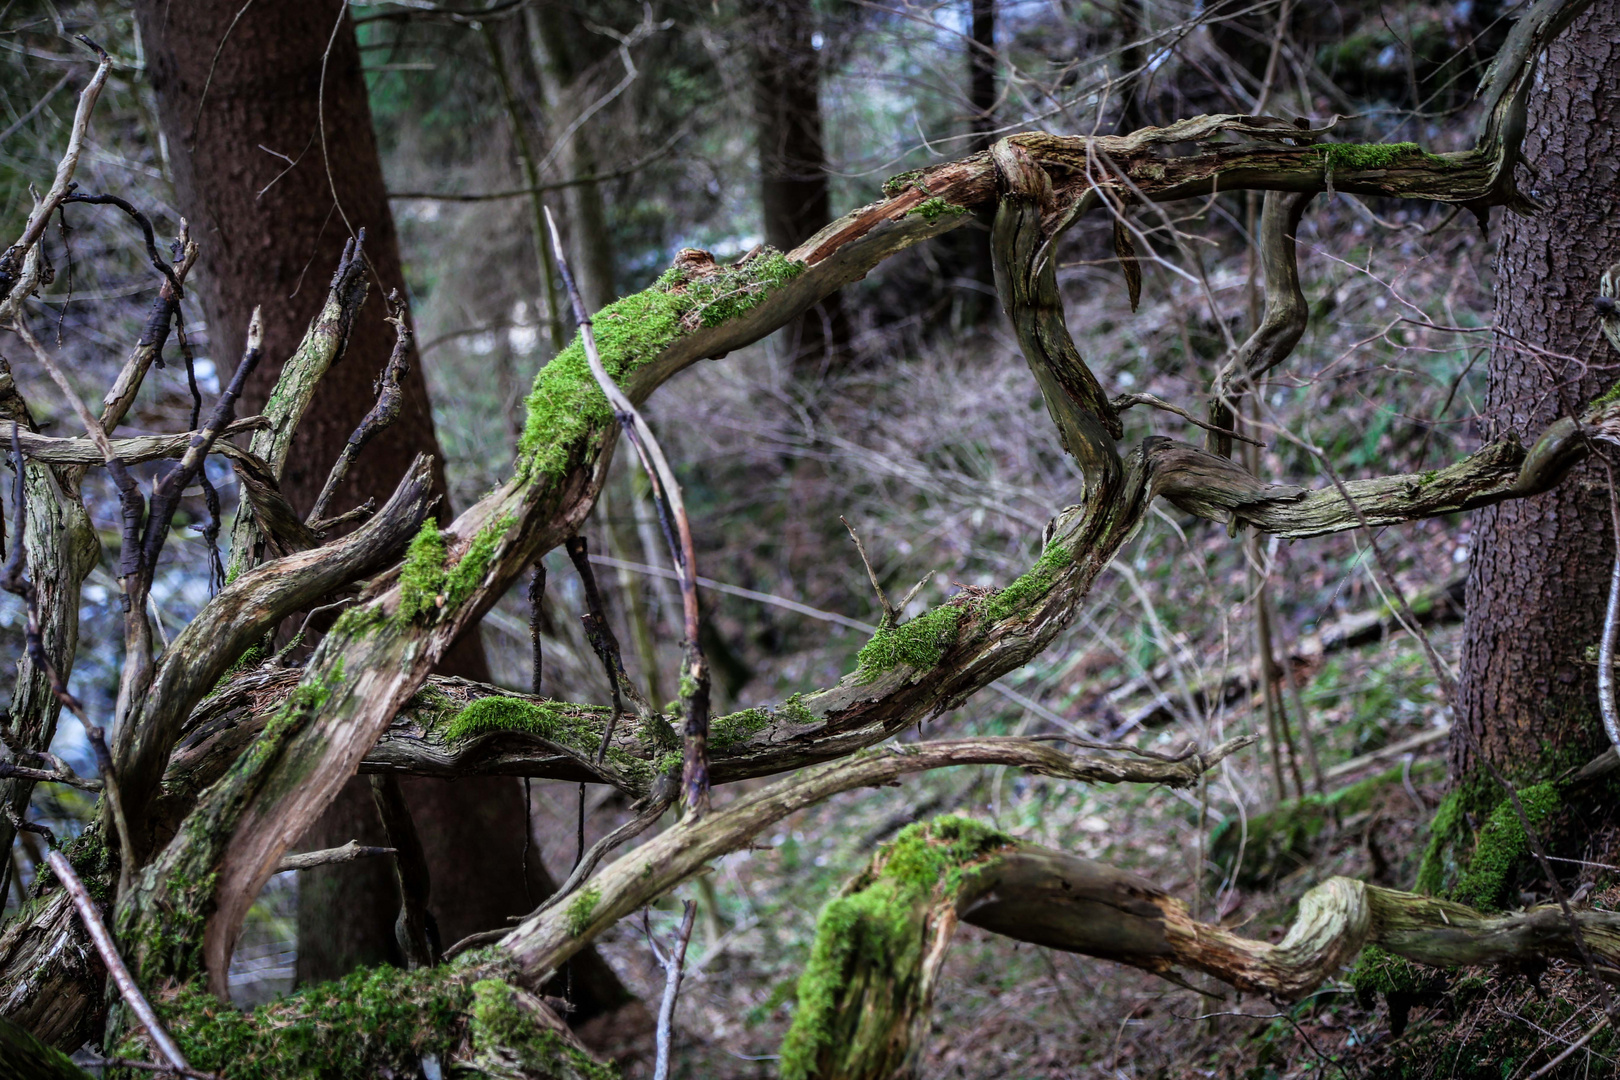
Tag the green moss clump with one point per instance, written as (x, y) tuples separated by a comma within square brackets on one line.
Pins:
[(358, 619), (427, 585), (722, 297), (468, 573), (1444, 832), (919, 644), (251, 658), (876, 929), (1279, 841), (897, 183), (581, 908), (794, 709), (566, 402), (1356, 157), (372, 1022), (1033, 585), (569, 725), (1501, 845), (670, 762), (728, 731), (421, 579), (1608, 397), (932, 210), (500, 1023)]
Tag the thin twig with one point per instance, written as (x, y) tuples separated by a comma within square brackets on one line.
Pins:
[(889, 619), (115, 964), (327, 856), (1547, 1069), (390, 396), (604, 643), (1126, 401), (674, 965), (694, 680), (1611, 624), (49, 776)]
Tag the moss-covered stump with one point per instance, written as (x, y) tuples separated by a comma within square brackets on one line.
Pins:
[(378, 1022), (865, 996), (1278, 842)]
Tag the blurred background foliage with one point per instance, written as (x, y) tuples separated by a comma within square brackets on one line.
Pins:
[(925, 431)]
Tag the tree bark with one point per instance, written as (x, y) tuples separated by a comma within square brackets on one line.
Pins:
[(231, 99), (793, 159), (1540, 567)]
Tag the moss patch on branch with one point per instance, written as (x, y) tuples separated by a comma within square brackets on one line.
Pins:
[(577, 726), (427, 585), (1032, 586), (1360, 157), (566, 402), (932, 210), (870, 941), (502, 1027), (919, 644), (582, 908)]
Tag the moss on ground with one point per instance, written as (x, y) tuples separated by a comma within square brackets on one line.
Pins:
[(566, 402), (378, 1021), (1281, 840), (875, 926)]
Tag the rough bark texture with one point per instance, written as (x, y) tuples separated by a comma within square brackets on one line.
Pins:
[(267, 88), (1539, 569), (793, 158)]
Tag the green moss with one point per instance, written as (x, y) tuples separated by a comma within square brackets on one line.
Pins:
[(1444, 832), (421, 579), (919, 644), (1608, 397), (373, 1022), (875, 926), (1378, 971), (581, 908), (932, 210), (576, 726), (1032, 586), (794, 709), (670, 762), (565, 401), (1501, 845), (500, 1023), (899, 182), (728, 731), (1279, 841), (468, 573), (1357, 157), (358, 619), (655, 733), (250, 659)]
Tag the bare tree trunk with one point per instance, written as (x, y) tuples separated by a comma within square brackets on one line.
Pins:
[(557, 45), (271, 206), (1540, 568), (793, 157)]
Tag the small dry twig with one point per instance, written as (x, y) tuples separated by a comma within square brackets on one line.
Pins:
[(115, 964), (674, 964)]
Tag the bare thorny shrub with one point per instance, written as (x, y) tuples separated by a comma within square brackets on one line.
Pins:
[(207, 779)]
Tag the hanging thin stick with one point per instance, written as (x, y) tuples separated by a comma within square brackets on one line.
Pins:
[(674, 964), (667, 493), (115, 964)]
